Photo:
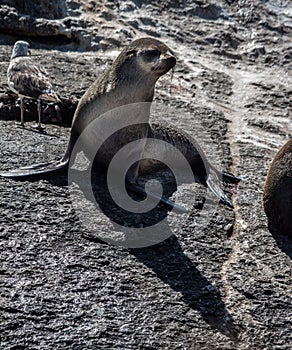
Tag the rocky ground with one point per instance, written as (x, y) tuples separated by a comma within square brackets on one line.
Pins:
[(222, 280)]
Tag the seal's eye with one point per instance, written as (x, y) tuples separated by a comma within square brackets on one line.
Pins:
[(151, 55)]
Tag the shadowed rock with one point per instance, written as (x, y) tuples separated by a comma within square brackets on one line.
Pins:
[(42, 8)]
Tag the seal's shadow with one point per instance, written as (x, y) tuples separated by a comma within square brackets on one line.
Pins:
[(173, 267), (169, 262), (119, 215)]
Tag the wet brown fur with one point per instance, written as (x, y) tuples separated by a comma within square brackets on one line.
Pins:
[(277, 196)]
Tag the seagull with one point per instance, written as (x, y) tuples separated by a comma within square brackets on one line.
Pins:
[(29, 80)]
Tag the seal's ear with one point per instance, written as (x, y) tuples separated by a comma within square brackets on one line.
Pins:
[(131, 53)]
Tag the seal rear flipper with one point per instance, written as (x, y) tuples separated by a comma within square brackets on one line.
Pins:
[(214, 185), (230, 178), (37, 169), (134, 187)]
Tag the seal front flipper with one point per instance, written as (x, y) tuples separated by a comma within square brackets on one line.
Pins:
[(139, 190), (37, 169)]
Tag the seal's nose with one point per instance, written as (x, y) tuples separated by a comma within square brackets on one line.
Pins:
[(171, 60)]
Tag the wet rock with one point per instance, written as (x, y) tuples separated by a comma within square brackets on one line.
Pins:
[(254, 51), (62, 30), (41, 8), (218, 84), (208, 11)]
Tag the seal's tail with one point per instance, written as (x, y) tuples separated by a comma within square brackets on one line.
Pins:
[(37, 170)]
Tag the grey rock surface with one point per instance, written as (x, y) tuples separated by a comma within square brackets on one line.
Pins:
[(222, 280)]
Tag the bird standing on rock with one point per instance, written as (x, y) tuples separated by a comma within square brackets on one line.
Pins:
[(29, 80)]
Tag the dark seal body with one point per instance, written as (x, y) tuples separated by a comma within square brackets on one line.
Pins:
[(124, 92), (277, 197)]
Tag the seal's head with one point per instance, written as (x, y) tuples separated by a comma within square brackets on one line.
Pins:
[(144, 58), (20, 48)]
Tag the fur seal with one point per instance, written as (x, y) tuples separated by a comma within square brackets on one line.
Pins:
[(29, 80), (277, 196), (131, 79)]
